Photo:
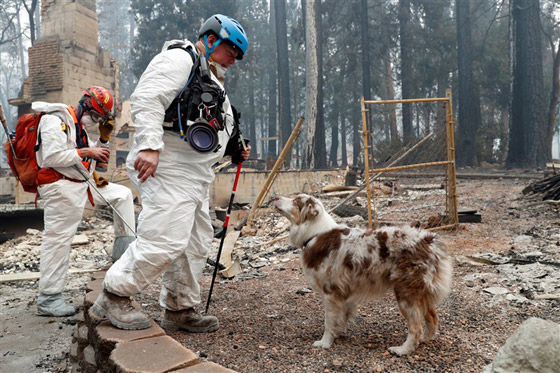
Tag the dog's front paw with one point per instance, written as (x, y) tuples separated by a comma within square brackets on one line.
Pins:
[(399, 350), (323, 344)]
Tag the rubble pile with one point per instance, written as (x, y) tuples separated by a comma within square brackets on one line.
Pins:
[(267, 243), (526, 272), (89, 248)]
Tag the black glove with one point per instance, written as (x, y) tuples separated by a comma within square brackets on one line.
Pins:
[(234, 148)]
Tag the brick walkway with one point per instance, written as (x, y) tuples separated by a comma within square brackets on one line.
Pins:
[(97, 346)]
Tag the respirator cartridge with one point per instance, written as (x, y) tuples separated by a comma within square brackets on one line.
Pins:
[(199, 103), (202, 135)]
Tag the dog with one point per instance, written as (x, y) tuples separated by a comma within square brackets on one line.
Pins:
[(351, 265)]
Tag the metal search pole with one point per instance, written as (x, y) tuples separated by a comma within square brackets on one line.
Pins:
[(92, 186), (223, 235), (3, 120)]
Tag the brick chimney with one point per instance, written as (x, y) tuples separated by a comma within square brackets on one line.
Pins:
[(67, 58)]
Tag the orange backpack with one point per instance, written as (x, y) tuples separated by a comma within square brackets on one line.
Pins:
[(24, 163)]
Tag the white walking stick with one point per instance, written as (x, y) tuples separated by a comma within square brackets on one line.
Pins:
[(92, 186)]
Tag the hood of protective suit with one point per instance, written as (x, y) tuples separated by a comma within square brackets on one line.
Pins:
[(61, 111), (185, 43)]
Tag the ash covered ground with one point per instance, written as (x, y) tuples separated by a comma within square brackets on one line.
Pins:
[(506, 268)]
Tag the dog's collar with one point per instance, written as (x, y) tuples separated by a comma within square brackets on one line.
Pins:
[(309, 240)]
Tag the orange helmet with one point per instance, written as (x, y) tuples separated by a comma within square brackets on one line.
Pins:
[(101, 100)]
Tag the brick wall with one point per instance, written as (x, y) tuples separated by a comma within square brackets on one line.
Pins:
[(72, 21), (67, 58), (45, 67)]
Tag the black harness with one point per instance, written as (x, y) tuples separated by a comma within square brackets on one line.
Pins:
[(201, 102), (200, 98)]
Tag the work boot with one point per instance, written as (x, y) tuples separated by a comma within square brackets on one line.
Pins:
[(120, 311), (54, 305), (189, 320), (120, 245)]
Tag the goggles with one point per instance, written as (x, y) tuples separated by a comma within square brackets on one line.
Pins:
[(96, 116)]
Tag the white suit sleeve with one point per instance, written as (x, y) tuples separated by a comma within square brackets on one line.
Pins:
[(161, 82), (54, 145)]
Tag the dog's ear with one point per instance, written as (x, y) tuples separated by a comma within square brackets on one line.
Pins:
[(309, 211)]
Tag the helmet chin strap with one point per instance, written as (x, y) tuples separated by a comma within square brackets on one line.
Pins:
[(81, 109), (208, 51)]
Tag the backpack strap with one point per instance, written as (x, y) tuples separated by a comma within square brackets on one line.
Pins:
[(186, 48), (36, 147)]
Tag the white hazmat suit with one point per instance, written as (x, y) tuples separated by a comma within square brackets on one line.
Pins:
[(174, 228), (64, 200)]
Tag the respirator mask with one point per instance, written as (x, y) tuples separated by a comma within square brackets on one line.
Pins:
[(218, 70), (88, 123)]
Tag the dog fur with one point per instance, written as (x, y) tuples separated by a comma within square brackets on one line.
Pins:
[(351, 265)]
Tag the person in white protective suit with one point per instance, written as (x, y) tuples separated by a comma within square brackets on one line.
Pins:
[(174, 227), (66, 158)]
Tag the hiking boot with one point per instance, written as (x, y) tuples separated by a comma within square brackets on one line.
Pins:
[(189, 320), (54, 305), (120, 311)]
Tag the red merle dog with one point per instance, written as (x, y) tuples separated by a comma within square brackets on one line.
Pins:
[(352, 265)]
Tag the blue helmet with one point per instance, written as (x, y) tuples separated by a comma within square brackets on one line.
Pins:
[(228, 29)]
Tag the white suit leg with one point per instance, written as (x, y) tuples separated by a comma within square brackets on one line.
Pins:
[(63, 208), (181, 288), (164, 229), (121, 199)]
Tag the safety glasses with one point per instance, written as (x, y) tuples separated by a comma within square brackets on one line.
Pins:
[(96, 117)]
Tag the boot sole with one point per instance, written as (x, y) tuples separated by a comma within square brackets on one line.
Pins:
[(173, 326), (42, 312), (102, 314)]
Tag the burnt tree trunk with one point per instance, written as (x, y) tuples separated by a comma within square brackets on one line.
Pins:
[(528, 128), (406, 67), (283, 73), (469, 102), (272, 92), (316, 148)]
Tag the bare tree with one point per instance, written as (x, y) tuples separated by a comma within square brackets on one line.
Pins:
[(8, 17), (283, 71), (315, 155), (31, 14), (12, 56)]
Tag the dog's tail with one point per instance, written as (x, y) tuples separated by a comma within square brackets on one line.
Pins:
[(440, 284)]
